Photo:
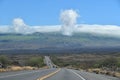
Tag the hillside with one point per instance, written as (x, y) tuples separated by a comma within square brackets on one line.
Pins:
[(55, 42)]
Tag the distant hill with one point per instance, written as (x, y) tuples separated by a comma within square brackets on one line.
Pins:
[(57, 43)]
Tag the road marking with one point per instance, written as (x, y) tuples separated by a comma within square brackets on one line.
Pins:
[(78, 75), (18, 74), (49, 75)]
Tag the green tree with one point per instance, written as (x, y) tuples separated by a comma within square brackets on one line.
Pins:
[(4, 61), (36, 62)]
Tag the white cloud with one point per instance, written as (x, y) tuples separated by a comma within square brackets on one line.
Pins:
[(20, 27), (18, 22), (108, 30), (4, 29), (68, 27), (54, 28), (68, 19)]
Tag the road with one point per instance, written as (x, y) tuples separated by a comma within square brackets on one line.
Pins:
[(53, 74), (25, 75), (63, 74), (69, 74), (49, 63)]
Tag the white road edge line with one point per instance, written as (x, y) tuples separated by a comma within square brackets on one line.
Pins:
[(78, 75)]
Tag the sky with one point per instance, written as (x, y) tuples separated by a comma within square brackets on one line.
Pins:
[(47, 12), (65, 16)]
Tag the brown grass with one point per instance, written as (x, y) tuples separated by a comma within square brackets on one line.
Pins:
[(100, 71), (18, 68)]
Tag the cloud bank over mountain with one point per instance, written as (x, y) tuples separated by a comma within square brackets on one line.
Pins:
[(68, 27)]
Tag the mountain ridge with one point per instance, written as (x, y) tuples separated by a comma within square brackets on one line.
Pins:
[(56, 42)]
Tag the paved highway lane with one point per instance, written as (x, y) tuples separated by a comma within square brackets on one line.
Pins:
[(93, 76), (68, 74), (48, 62), (25, 75), (62, 74)]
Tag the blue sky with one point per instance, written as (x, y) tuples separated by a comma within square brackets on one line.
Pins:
[(47, 12)]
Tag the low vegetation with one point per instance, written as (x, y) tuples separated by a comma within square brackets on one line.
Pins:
[(4, 61), (36, 62), (20, 62), (108, 64)]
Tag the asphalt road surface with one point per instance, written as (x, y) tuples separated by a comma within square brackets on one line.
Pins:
[(49, 63), (68, 74), (25, 75), (63, 74)]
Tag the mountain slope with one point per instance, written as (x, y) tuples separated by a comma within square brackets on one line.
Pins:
[(45, 42)]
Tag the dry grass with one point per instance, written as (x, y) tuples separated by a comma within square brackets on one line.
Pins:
[(97, 70), (15, 68), (29, 68), (100, 71), (3, 70), (45, 67), (117, 74), (18, 68)]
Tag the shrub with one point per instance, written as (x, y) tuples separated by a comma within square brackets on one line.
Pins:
[(109, 62), (4, 61), (35, 62)]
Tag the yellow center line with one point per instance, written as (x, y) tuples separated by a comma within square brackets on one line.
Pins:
[(49, 75)]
